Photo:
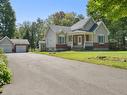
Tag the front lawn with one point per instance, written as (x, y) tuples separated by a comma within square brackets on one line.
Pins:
[(116, 59)]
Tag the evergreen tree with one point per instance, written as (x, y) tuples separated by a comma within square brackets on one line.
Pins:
[(7, 19)]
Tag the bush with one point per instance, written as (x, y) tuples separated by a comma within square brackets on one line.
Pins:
[(1, 51), (5, 74), (3, 58)]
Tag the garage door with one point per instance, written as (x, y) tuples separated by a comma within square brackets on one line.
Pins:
[(6, 48), (20, 49)]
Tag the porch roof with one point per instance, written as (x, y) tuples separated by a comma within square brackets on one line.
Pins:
[(79, 32)]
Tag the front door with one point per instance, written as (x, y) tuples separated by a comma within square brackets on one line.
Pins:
[(79, 40)]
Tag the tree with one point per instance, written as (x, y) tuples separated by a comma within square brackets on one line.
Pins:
[(7, 19), (110, 9), (119, 33), (64, 19), (33, 35), (114, 14), (33, 31)]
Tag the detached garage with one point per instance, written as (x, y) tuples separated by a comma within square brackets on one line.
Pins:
[(6, 45), (20, 45), (14, 45)]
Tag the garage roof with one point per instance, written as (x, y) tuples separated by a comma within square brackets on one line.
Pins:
[(20, 41)]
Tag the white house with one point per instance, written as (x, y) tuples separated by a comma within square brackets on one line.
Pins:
[(85, 34)]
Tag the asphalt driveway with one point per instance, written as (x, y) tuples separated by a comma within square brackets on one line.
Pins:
[(36, 74)]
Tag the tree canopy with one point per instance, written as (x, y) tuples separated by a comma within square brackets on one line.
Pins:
[(114, 14), (110, 9), (7, 19), (64, 19)]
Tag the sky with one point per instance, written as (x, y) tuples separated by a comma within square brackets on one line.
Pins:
[(30, 10)]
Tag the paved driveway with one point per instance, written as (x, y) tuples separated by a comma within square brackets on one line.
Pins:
[(36, 74)]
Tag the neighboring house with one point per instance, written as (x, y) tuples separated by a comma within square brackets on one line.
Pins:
[(14, 45), (85, 34)]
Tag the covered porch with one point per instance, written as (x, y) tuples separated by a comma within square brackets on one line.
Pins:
[(80, 40)]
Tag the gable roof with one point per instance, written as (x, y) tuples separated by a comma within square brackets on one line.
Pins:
[(4, 39), (16, 41), (80, 24), (56, 28), (20, 41), (99, 23)]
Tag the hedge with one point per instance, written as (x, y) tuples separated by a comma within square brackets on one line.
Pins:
[(5, 73)]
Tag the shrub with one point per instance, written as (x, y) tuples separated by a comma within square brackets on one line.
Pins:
[(3, 58), (5, 74), (1, 51)]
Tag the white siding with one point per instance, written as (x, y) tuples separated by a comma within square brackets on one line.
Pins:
[(101, 30), (6, 45), (51, 39), (7, 48)]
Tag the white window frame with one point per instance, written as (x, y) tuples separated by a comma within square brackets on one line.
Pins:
[(59, 37), (102, 35)]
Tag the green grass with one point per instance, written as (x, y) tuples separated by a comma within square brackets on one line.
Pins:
[(113, 58)]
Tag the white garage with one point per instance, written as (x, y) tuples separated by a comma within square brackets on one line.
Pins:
[(6, 45), (14, 45), (21, 48), (20, 45), (6, 48)]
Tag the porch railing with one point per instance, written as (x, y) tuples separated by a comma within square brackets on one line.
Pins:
[(88, 43)]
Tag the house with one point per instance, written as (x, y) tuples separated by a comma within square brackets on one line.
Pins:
[(85, 34), (14, 45)]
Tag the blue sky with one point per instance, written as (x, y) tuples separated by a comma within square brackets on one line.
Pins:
[(30, 10)]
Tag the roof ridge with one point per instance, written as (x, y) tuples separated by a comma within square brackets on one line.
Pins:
[(60, 26)]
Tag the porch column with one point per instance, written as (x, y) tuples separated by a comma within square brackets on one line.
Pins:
[(72, 41), (84, 39), (92, 38)]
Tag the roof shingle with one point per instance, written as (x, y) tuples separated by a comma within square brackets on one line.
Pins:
[(80, 24), (20, 41)]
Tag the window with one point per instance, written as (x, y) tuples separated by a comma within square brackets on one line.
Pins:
[(61, 40), (101, 39), (87, 37), (69, 38), (79, 39)]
